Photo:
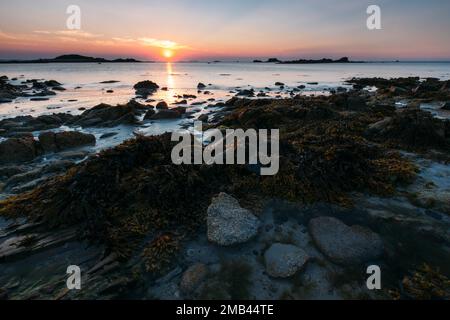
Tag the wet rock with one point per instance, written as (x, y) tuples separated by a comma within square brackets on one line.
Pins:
[(446, 106), (162, 105), (203, 118), (73, 155), (201, 86), (108, 135), (284, 260), (145, 88), (16, 150), (4, 100), (193, 277), (166, 114), (53, 142), (52, 83), (343, 244), (59, 88), (398, 90), (279, 84), (150, 113), (246, 93), (105, 115), (18, 246), (228, 223)]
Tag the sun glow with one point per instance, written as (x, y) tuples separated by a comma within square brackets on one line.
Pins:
[(168, 53)]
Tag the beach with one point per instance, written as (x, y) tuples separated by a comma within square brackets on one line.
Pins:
[(86, 177)]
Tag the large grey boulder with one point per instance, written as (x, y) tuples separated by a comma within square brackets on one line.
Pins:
[(228, 223), (343, 244), (284, 260)]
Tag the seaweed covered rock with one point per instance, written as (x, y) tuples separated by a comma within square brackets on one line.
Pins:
[(413, 130), (118, 196), (228, 223), (343, 244)]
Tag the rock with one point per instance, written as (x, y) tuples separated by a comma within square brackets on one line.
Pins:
[(284, 260), (39, 99), (380, 125), (166, 114), (59, 88), (150, 113), (246, 93), (313, 83), (145, 88), (53, 142), (105, 115), (162, 105), (203, 118), (228, 223), (343, 244), (52, 83), (109, 91), (181, 102), (446, 106), (356, 103), (16, 150), (4, 100), (201, 86), (108, 135), (279, 84), (73, 155), (193, 277), (397, 90)]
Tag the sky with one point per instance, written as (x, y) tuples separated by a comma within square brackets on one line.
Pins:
[(226, 30)]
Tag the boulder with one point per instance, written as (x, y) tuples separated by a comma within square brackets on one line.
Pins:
[(162, 105), (145, 88), (228, 223), (343, 244), (284, 260), (193, 277), (53, 142), (201, 86), (166, 114), (16, 150)]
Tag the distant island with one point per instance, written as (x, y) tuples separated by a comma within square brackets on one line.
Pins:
[(72, 58), (308, 61)]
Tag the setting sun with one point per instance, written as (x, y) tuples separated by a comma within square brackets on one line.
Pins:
[(167, 53)]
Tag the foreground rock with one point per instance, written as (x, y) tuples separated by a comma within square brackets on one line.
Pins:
[(18, 150), (284, 260), (343, 244), (228, 223)]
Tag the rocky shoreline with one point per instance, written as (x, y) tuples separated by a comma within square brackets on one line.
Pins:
[(362, 182)]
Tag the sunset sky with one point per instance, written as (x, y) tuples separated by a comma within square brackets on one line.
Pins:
[(228, 30)]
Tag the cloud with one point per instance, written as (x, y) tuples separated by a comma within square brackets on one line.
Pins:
[(164, 44), (70, 33), (8, 36)]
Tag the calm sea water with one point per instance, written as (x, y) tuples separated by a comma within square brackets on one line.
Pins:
[(82, 81)]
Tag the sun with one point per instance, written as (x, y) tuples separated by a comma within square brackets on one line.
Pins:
[(168, 53)]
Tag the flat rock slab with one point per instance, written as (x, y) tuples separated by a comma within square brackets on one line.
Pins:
[(343, 244), (15, 247), (284, 260), (228, 223)]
